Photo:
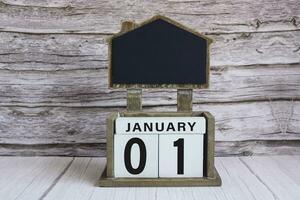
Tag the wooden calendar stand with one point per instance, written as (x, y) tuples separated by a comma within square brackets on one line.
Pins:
[(184, 107), (161, 46)]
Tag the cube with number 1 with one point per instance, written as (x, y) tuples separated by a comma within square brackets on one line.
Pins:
[(181, 155)]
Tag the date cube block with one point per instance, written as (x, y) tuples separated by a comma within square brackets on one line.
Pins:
[(181, 155), (136, 155)]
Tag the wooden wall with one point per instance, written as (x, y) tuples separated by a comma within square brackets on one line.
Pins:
[(54, 96)]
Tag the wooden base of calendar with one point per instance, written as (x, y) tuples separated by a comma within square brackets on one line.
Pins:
[(159, 182), (211, 176)]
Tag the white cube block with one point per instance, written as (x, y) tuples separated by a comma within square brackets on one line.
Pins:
[(136, 156), (160, 125), (181, 155)]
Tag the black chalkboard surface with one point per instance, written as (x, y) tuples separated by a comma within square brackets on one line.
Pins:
[(159, 54)]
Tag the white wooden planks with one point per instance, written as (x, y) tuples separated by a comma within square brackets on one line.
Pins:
[(257, 178), (239, 182), (253, 178), (80, 181), (277, 173), (29, 177)]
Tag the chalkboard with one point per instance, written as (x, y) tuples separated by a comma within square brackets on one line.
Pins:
[(159, 54)]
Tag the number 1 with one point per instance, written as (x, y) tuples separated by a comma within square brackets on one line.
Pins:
[(180, 155)]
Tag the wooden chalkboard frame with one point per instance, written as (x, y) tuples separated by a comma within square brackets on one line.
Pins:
[(172, 86)]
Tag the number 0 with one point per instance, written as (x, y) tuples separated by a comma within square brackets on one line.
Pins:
[(127, 156), (180, 155)]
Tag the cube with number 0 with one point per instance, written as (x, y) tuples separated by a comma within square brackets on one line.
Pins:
[(136, 155)]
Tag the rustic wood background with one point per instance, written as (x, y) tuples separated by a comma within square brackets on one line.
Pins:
[(54, 96)]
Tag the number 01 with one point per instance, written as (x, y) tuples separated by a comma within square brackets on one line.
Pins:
[(127, 155)]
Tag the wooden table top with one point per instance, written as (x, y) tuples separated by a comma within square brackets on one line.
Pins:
[(273, 177)]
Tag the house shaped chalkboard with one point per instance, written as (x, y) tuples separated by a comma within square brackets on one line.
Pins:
[(159, 53)]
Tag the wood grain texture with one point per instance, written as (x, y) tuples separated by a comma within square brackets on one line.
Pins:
[(89, 87), (258, 147), (54, 95), (61, 126), (234, 122), (223, 148), (57, 149), (64, 51), (102, 17)]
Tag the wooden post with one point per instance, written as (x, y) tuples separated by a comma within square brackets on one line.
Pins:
[(134, 99), (184, 100)]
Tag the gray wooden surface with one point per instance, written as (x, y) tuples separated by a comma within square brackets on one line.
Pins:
[(53, 73), (247, 178)]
